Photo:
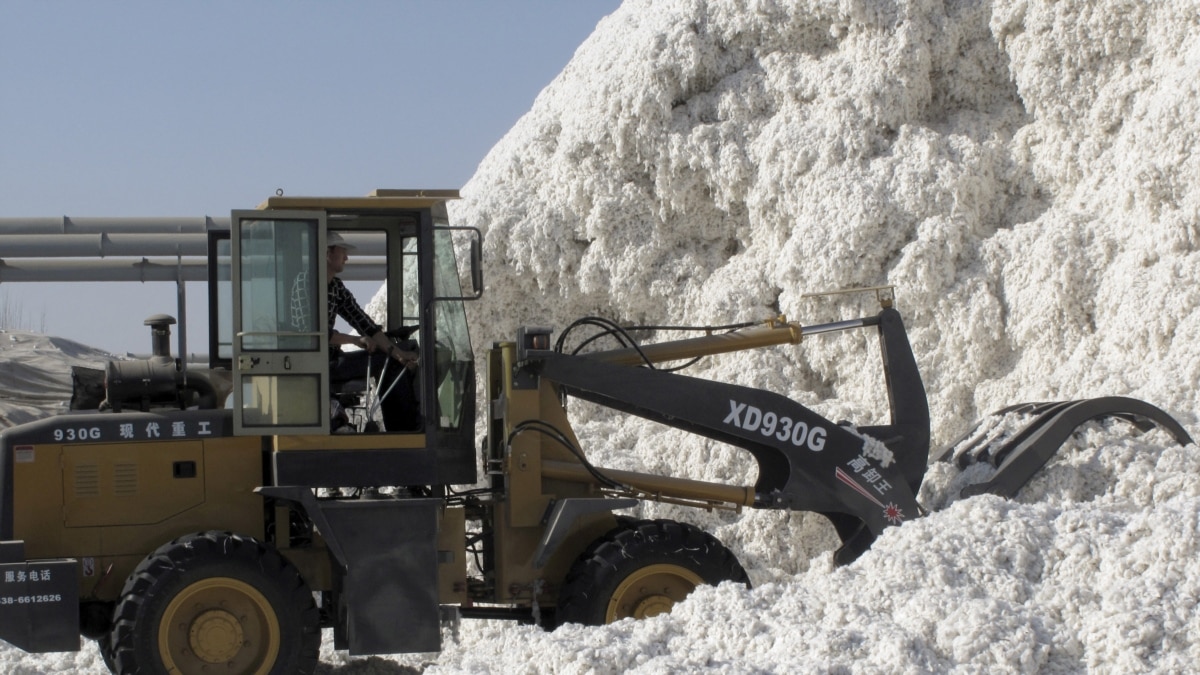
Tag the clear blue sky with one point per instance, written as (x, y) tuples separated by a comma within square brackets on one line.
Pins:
[(198, 108)]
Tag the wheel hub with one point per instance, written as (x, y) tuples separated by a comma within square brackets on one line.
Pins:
[(216, 636), (650, 591), (221, 622), (653, 605)]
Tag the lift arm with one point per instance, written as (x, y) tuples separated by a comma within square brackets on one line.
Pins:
[(806, 462)]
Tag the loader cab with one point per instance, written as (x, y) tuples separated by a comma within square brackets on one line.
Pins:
[(269, 311)]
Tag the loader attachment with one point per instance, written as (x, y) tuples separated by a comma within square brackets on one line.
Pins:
[(1018, 454), (864, 480)]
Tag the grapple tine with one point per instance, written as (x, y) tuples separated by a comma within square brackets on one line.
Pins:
[(1044, 413), (987, 440), (1023, 453)]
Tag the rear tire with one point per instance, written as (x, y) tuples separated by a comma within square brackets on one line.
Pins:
[(215, 602), (104, 644), (642, 569)]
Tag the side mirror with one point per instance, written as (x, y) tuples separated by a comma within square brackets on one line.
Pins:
[(477, 266), (476, 262)]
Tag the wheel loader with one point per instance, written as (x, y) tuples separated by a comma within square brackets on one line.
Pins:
[(212, 519)]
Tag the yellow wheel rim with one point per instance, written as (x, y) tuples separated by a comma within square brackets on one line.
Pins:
[(651, 591), (220, 625)]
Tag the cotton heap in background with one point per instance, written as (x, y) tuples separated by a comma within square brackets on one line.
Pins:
[(1021, 172)]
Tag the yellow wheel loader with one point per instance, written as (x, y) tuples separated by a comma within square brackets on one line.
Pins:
[(216, 519)]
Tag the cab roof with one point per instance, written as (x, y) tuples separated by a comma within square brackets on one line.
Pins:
[(377, 199)]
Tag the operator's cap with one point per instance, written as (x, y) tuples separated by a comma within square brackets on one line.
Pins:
[(335, 239)]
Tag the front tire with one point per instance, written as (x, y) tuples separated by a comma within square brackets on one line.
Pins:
[(642, 569), (215, 602)]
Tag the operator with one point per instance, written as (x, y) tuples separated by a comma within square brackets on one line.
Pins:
[(401, 411)]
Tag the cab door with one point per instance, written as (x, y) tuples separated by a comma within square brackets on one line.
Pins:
[(280, 347)]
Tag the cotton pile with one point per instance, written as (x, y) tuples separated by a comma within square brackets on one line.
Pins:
[(1021, 172)]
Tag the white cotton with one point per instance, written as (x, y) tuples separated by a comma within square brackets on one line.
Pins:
[(1020, 172)]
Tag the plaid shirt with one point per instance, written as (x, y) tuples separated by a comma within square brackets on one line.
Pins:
[(343, 304)]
